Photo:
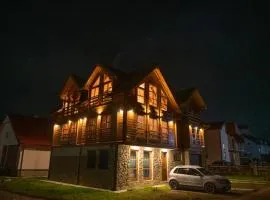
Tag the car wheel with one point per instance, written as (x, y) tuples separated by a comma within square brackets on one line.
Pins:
[(174, 184), (210, 188)]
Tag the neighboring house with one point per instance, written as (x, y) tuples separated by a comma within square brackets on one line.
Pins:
[(190, 127), (251, 146), (264, 149), (115, 130), (25, 145), (223, 142)]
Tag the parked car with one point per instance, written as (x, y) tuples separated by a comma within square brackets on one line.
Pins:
[(221, 163), (196, 177)]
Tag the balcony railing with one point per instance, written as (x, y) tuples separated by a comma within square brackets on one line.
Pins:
[(100, 99)]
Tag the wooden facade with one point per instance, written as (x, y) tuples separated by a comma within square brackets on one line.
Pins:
[(118, 112)]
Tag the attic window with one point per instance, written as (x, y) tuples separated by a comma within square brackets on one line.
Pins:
[(140, 93), (95, 89), (107, 84), (152, 95), (164, 101)]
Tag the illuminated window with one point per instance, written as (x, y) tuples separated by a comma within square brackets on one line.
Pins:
[(91, 126), (146, 165), (81, 130), (132, 165), (153, 125), (152, 95), (140, 93), (95, 91), (106, 121), (107, 88), (164, 101), (141, 122), (65, 133)]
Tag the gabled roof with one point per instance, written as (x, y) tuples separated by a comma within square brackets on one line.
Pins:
[(250, 137), (74, 80), (31, 130), (127, 81), (185, 97), (215, 125)]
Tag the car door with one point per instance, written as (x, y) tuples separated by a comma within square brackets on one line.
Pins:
[(194, 178), (181, 176)]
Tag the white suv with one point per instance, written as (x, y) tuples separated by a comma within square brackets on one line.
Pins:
[(196, 177)]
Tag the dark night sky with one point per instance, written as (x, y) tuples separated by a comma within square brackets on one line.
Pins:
[(221, 48)]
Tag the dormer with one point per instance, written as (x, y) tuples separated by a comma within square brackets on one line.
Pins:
[(70, 95)]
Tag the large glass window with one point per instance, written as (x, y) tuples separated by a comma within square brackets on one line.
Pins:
[(141, 122), (146, 165), (106, 121), (153, 124), (107, 88), (103, 159), (164, 101), (133, 165), (140, 93), (95, 91), (91, 127), (91, 159), (152, 95)]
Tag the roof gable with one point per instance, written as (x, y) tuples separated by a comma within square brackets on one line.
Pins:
[(190, 97), (72, 84), (31, 130)]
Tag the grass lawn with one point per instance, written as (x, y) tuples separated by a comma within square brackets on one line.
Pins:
[(38, 188), (245, 177)]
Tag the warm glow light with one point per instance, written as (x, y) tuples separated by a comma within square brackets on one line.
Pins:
[(56, 126), (171, 122), (85, 118), (196, 127), (147, 149), (121, 111), (190, 126), (201, 130), (134, 148), (99, 117), (131, 111), (164, 150), (100, 110), (69, 121)]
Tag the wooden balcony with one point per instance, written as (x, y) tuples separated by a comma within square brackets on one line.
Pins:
[(100, 99), (153, 138)]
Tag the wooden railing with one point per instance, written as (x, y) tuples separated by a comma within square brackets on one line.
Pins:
[(100, 99)]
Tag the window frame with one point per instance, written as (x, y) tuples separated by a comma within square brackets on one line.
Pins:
[(153, 95), (141, 93), (149, 167), (134, 168)]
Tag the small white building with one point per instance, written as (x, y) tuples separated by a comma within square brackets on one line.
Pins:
[(25, 146)]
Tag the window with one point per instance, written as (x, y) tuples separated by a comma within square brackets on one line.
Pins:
[(164, 101), (91, 127), (141, 122), (91, 159), (95, 90), (146, 165), (133, 165), (153, 125), (65, 133), (107, 88), (81, 131), (106, 121), (103, 159), (140, 93), (152, 95), (181, 170), (193, 172), (164, 128)]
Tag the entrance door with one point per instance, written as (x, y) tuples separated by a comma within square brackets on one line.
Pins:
[(164, 166)]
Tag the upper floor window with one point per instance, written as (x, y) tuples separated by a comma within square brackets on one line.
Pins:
[(164, 101), (141, 122), (105, 121), (140, 93), (107, 88), (95, 89), (152, 95), (153, 125)]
